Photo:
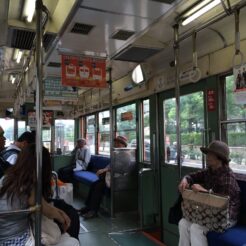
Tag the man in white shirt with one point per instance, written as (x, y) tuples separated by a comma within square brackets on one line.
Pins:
[(10, 154)]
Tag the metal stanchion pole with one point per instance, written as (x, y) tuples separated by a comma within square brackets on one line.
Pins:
[(39, 110)]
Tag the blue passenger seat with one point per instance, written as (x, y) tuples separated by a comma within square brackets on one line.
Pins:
[(235, 236), (89, 176)]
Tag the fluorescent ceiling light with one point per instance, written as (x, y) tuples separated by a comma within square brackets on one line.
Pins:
[(19, 55), (12, 78), (202, 10), (29, 9)]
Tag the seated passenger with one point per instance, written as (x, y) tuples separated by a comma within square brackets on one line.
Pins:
[(97, 188), (217, 178), (80, 159), (17, 192), (10, 154), (83, 155)]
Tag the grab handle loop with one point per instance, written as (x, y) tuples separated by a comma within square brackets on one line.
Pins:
[(195, 74), (237, 42)]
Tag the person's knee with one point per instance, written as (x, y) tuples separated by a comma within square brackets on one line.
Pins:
[(183, 224), (197, 229)]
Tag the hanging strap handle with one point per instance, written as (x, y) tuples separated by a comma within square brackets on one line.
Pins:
[(237, 42), (195, 74)]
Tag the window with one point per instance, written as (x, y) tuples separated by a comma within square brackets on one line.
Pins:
[(46, 138), (8, 127), (91, 133), (104, 133), (146, 131), (126, 123), (191, 129), (233, 127), (21, 127), (64, 135)]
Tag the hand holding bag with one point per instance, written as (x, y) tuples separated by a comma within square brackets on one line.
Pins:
[(50, 232), (206, 209)]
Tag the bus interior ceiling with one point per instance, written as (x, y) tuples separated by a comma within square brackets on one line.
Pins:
[(125, 32)]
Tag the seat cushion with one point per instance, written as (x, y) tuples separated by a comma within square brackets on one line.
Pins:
[(85, 177), (98, 162), (235, 236)]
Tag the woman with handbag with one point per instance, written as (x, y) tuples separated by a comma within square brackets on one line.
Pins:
[(17, 192), (216, 178)]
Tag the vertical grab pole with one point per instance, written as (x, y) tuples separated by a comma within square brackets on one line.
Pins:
[(111, 140), (39, 56), (177, 94)]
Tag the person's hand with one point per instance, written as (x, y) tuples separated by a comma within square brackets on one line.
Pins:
[(183, 185), (197, 187), (63, 219), (101, 171)]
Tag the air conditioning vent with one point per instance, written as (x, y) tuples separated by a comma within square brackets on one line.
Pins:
[(54, 64), (136, 53), (81, 28), (122, 35), (22, 39), (48, 39)]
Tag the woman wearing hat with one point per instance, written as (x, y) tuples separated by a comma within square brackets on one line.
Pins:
[(217, 178)]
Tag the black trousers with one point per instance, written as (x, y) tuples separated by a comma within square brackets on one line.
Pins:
[(65, 174), (95, 194)]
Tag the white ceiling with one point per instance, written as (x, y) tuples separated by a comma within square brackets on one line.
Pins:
[(151, 21)]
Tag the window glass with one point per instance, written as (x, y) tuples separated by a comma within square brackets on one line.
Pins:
[(46, 138), (8, 127), (192, 125), (170, 136), (91, 133), (64, 135), (191, 129), (104, 133), (234, 133), (146, 131), (21, 127), (126, 123)]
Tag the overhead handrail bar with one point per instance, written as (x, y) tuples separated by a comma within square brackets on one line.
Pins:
[(238, 52)]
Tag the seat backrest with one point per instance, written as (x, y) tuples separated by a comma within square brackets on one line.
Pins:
[(242, 216), (98, 162)]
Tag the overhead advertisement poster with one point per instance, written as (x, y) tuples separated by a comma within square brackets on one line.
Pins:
[(83, 71), (240, 84)]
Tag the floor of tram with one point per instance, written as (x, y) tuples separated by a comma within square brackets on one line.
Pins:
[(103, 230)]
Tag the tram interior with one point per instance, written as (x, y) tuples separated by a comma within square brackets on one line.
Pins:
[(124, 34)]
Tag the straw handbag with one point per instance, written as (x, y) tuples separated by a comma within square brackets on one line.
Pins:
[(209, 210)]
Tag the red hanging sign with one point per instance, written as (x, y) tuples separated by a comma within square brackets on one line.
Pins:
[(211, 102), (83, 72)]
